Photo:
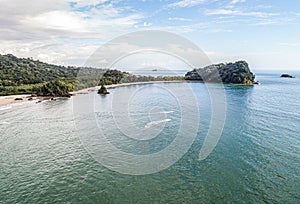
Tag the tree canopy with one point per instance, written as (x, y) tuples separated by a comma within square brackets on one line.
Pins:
[(26, 76), (236, 73)]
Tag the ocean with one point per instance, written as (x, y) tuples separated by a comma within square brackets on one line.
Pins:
[(62, 151)]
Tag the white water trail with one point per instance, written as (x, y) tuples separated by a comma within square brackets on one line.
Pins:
[(157, 122)]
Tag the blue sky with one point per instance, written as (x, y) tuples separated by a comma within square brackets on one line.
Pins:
[(263, 32)]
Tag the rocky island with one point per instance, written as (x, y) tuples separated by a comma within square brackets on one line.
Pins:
[(286, 76), (103, 90), (233, 73)]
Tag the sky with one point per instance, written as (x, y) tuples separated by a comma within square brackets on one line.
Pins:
[(265, 33)]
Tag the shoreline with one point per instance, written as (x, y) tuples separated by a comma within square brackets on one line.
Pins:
[(95, 88), (10, 100), (7, 101)]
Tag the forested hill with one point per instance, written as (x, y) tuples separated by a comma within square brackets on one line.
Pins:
[(20, 71), (25, 75), (234, 73)]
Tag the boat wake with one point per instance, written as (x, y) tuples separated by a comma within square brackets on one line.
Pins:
[(157, 122), (163, 112)]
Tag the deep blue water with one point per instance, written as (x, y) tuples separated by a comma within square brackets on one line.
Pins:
[(44, 157)]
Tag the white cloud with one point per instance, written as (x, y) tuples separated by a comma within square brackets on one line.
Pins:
[(186, 3), (221, 12), (210, 53), (19, 8), (107, 10), (237, 1), (57, 20), (51, 30), (181, 29), (239, 13), (179, 19), (73, 52), (83, 3), (222, 31)]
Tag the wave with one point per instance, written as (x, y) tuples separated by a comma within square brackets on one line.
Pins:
[(4, 123), (164, 112), (5, 108)]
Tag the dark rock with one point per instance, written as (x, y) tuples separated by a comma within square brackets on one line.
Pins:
[(18, 99), (103, 90), (67, 95), (286, 76)]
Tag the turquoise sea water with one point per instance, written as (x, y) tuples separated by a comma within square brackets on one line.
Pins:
[(43, 159)]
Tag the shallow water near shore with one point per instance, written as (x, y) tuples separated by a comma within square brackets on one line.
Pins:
[(43, 160)]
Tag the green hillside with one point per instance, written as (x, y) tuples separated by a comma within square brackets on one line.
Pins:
[(20, 71), (26, 76), (235, 73)]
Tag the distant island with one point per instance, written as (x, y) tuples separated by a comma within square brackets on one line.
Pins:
[(28, 76), (234, 73), (287, 76)]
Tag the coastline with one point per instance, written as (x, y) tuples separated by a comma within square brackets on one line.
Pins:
[(10, 100), (6, 101), (95, 88)]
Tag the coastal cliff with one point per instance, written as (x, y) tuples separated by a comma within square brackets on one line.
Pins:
[(234, 73)]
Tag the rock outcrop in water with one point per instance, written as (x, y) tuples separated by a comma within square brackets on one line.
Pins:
[(286, 76), (235, 73), (103, 90)]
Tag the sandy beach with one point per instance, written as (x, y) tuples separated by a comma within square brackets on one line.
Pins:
[(87, 90), (9, 100)]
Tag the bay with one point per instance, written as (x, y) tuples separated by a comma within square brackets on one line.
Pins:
[(43, 158)]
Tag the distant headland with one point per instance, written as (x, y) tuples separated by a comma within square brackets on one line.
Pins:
[(233, 73)]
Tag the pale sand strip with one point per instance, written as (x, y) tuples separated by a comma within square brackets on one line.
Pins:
[(10, 100), (87, 90)]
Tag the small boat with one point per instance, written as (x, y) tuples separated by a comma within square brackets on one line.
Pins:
[(154, 70)]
